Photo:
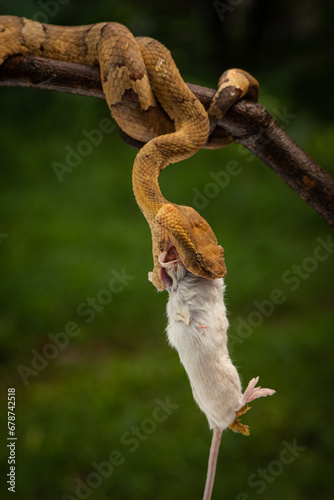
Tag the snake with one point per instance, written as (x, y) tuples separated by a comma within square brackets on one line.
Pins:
[(151, 103)]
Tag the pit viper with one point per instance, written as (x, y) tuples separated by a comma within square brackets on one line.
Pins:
[(151, 103)]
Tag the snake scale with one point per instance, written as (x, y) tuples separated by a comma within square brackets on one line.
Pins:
[(151, 103)]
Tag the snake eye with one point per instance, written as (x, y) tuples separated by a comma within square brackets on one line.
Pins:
[(200, 225), (198, 257)]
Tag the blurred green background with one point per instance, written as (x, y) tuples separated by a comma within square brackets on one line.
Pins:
[(98, 399)]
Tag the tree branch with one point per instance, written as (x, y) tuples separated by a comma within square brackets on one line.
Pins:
[(247, 122)]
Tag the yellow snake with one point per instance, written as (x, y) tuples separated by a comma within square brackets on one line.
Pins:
[(135, 74)]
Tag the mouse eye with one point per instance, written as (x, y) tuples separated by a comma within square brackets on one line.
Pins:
[(198, 257)]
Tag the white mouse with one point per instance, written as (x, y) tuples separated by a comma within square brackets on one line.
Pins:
[(197, 329)]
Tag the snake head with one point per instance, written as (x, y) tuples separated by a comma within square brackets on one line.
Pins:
[(193, 239)]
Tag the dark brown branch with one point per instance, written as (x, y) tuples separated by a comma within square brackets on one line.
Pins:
[(247, 122)]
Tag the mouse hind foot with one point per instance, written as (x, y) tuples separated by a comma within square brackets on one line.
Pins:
[(249, 395)]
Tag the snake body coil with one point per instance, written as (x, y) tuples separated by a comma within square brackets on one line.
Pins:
[(135, 74)]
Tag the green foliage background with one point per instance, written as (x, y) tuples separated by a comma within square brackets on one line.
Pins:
[(64, 239)]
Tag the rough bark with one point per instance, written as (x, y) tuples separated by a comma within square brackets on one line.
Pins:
[(247, 122)]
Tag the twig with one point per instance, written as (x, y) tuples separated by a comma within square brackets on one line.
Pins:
[(246, 122)]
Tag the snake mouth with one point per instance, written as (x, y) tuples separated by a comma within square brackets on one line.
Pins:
[(171, 264), (168, 260)]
